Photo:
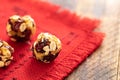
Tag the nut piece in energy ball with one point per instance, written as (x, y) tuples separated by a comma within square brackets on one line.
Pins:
[(5, 53), (46, 48), (20, 28)]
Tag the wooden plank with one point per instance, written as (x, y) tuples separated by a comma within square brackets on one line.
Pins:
[(103, 64)]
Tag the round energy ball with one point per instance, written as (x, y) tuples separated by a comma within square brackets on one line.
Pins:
[(46, 48), (20, 28), (5, 53)]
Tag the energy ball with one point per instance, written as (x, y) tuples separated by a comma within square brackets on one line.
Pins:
[(46, 48), (20, 28), (5, 53)]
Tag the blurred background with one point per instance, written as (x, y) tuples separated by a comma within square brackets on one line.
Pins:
[(104, 64)]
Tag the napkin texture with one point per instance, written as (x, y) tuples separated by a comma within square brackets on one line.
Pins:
[(75, 32)]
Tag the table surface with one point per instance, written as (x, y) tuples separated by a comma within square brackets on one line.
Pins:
[(104, 64)]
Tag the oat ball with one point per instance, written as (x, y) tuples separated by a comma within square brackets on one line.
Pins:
[(46, 48), (20, 28), (5, 53)]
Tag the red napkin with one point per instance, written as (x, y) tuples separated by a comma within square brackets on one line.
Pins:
[(75, 32)]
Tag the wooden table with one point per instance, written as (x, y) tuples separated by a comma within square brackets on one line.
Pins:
[(104, 64)]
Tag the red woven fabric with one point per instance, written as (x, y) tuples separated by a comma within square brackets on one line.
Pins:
[(76, 34)]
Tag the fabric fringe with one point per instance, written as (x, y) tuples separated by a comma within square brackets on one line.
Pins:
[(79, 54), (70, 62), (65, 16)]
